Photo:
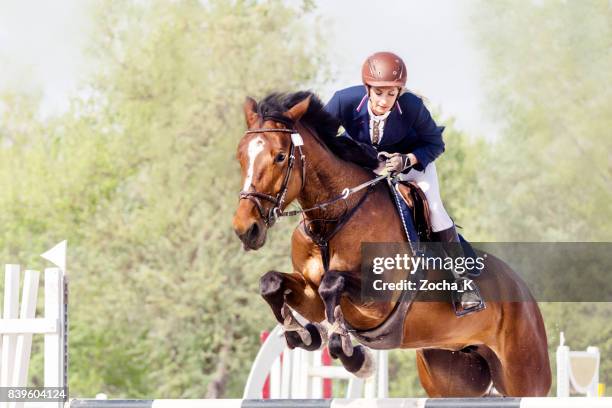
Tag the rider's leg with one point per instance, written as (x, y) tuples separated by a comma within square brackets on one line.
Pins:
[(427, 181), (444, 229), (469, 300)]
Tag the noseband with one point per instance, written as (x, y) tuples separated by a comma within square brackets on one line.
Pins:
[(278, 200)]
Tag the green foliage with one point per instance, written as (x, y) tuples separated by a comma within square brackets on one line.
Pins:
[(140, 176), (549, 175), (403, 378), (584, 324), (461, 186), (548, 64)]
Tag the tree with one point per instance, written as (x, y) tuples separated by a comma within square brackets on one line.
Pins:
[(547, 64), (140, 176), (549, 177)]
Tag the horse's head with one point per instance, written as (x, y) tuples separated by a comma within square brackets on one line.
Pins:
[(270, 177)]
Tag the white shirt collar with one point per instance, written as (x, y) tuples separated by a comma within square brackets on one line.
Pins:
[(378, 121)]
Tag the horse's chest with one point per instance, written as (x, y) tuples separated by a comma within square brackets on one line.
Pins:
[(313, 267), (345, 262), (313, 270)]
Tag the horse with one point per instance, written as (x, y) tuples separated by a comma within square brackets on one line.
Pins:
[(290, 152)]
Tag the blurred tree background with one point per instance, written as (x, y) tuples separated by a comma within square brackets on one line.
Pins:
[(549, 66), (140, 176)]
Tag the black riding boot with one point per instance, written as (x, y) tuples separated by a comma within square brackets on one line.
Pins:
[(467, 299)]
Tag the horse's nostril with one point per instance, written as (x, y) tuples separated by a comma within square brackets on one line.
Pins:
[(253, 232)]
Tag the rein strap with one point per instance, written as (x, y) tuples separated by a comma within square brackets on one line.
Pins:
[(278, 201)]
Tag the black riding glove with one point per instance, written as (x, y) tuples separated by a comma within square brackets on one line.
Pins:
[(395, 162)]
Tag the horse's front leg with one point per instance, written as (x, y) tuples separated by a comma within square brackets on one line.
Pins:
[(356, 359), (284, 291)]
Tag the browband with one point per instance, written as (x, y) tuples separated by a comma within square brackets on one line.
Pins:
[(279, 118)]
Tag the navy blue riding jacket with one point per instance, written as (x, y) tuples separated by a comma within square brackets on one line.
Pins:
[(409, 127)]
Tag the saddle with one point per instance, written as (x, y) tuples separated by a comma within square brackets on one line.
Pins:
[(389, 334), (416, 201)]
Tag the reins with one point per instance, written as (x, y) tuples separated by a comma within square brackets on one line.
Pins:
[(277, 201), (346, 193)]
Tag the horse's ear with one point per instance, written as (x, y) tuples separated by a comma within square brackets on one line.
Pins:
[(299, 109), (250, 111)]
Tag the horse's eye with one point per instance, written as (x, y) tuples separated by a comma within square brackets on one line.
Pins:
[(280, 158)]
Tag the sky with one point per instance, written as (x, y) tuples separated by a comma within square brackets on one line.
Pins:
[(41, 47)]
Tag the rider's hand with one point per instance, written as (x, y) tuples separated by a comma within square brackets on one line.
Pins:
[(381, 169), (397, 162)]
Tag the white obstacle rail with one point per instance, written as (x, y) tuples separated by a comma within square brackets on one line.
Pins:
[(19, 323), (577, 402), (300, 373), (577, 371)]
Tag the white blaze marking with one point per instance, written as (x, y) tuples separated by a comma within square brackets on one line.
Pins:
[(255, 147)]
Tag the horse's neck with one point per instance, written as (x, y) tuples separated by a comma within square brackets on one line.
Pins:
[(326, 177)]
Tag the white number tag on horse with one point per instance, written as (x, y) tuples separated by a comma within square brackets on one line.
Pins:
[(297, 140)]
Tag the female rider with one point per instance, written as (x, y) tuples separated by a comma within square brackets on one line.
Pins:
[(396, 122)]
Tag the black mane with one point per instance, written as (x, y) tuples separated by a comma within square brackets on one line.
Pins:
[(324, 124)]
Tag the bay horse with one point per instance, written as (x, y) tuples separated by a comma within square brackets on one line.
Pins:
[(289, 153)]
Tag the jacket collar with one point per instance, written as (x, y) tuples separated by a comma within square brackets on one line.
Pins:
[(362, 109)]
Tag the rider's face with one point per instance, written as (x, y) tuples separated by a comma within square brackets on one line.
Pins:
[(382, 98)]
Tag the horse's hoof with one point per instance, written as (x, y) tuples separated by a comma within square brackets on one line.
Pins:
[(310, 338), (367, 367), (356, 362), (322, 332), (334, 345), (315, 335), (293, 340)]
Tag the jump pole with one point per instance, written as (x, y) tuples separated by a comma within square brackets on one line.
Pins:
[(495, 402)]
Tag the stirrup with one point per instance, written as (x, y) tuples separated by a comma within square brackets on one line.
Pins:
[(458, 304)]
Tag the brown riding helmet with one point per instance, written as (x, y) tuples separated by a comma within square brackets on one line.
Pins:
[(384, 69)]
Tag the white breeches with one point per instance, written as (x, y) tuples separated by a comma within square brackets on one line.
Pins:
[(427, 180)]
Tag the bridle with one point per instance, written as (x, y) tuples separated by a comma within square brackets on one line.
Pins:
[(277, 201)]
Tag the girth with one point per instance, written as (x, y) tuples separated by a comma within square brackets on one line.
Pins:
[(323, 241), (390, 333)]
